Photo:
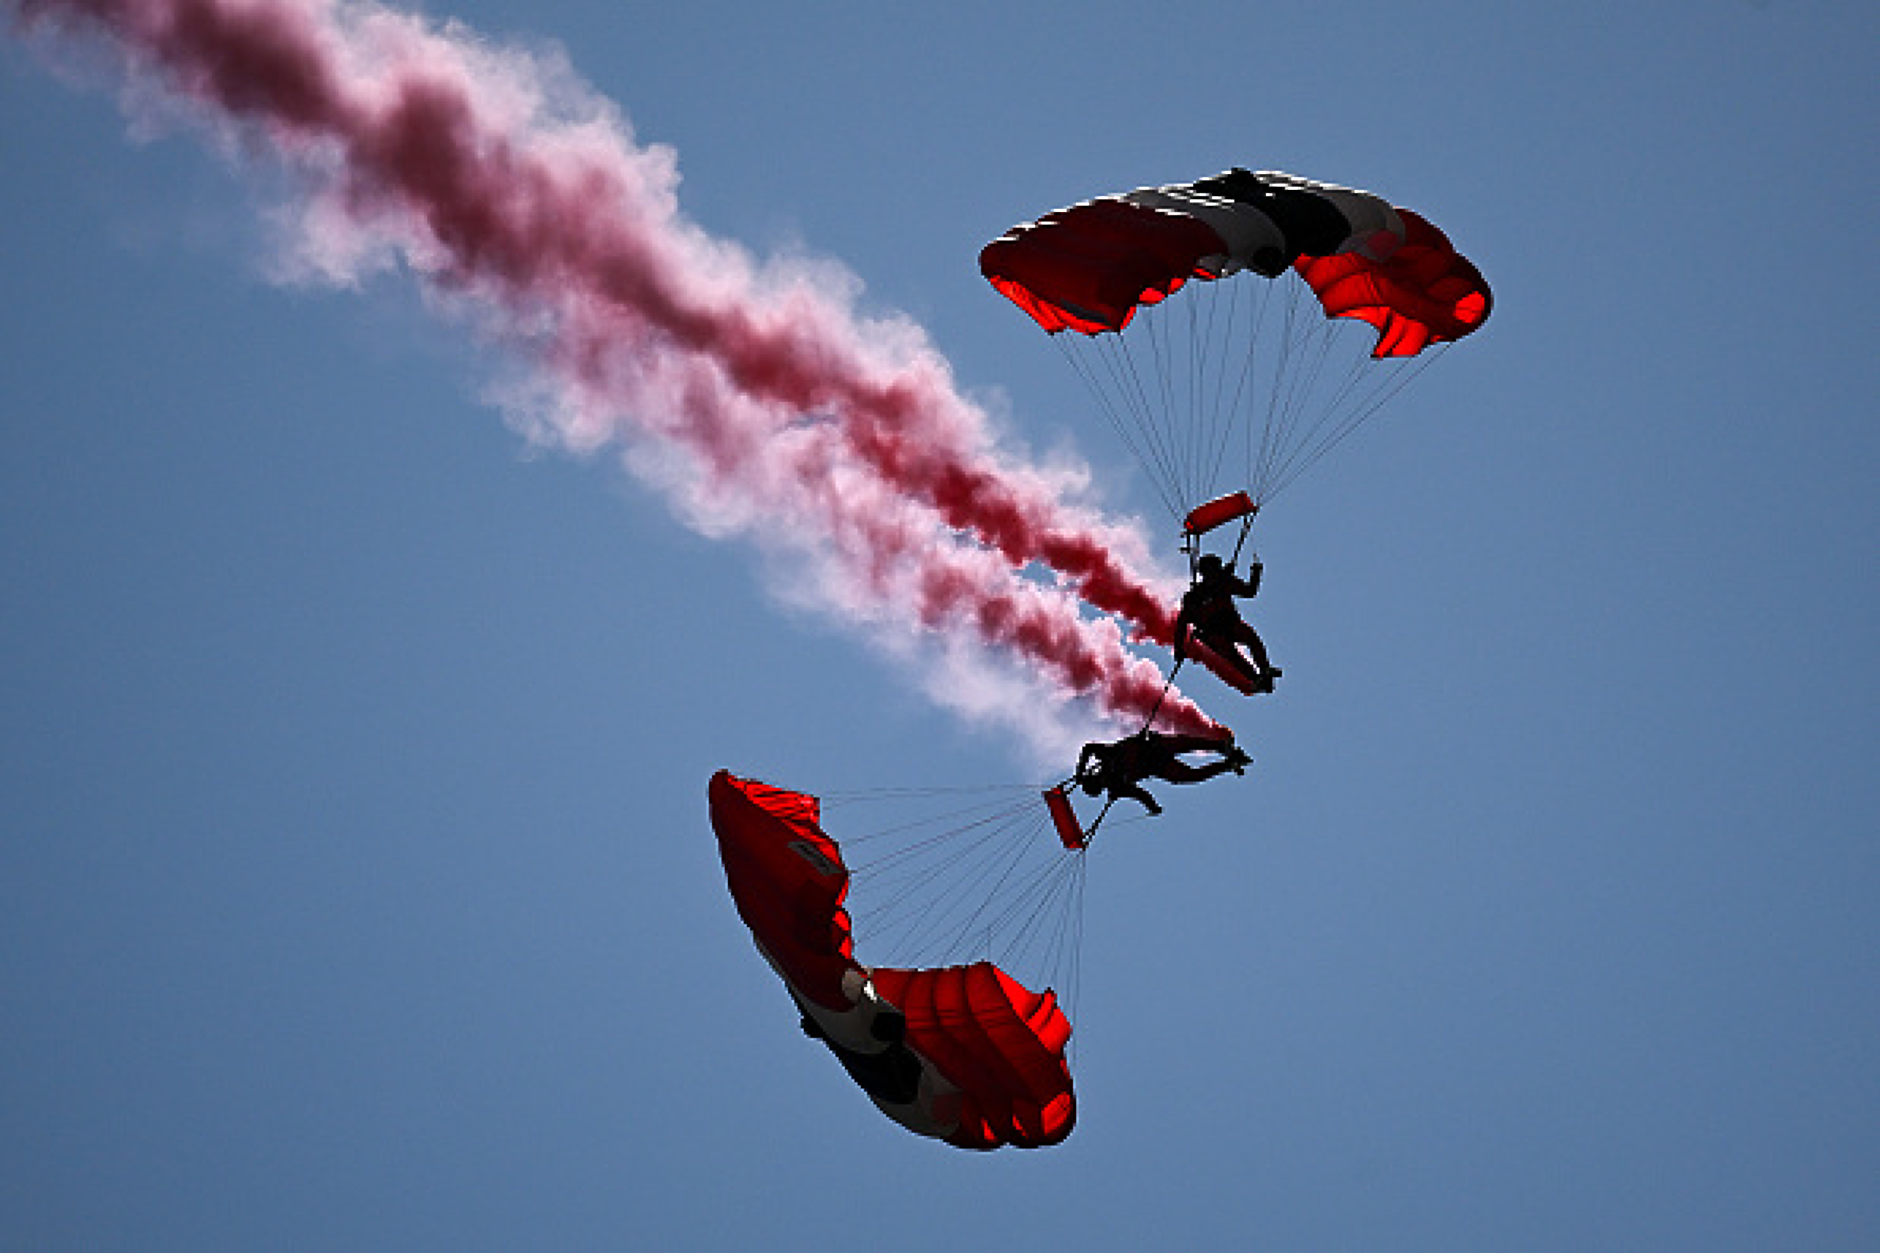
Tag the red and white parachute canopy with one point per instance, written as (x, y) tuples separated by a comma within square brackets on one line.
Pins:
[(965, 1054), (1249, 358)]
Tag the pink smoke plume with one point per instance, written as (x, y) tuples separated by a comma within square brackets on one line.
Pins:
[(780, 410)]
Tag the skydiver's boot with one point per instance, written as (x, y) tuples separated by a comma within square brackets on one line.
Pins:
[(1238, 760)]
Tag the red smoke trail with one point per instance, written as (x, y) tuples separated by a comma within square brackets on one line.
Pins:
[(786, 404)]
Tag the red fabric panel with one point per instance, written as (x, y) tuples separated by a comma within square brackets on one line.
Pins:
[(788, 880), (1205, 517), (1425, 293), (1223, 669), (1064, 818), (1087, 267), (1001, 1044)]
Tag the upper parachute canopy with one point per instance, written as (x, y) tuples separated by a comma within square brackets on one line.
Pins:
[(965, 1054), (1088, 267)]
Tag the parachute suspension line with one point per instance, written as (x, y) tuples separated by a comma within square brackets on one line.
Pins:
[(1208, 326), (1069, 939), (1076, 359), (1163, 414), (911, 879), (860, 796), (944, 934), (1018, 923), (1156, 432), (1041, 925), (1035, 918), (1313, 443), (1076, 942), (1225, 410), (1297, 389), (1202, 319), (1272, 430), (986, 879), (1175, 409), (1250, 356), (918, 898), (952, 827), (1366, 385), (1369, 386), (1159, 407), (992, 819), (1310, 348), (1114, 402), (1200, 413)]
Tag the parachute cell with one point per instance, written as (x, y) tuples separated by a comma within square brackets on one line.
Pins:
[(1086, 268), (789, 884), (1426, 292), (966, 1054)]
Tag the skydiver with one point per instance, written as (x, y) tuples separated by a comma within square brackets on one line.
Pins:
[(1208, 607), (1119, 767)]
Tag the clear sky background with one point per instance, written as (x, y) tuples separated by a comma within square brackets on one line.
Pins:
[(355, 885)]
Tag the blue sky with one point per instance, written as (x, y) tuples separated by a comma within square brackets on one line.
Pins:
[(356, 890)]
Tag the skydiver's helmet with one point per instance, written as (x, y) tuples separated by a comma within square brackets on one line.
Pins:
[(1209, 566)]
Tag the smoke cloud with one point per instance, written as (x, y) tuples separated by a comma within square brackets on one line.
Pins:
[(754, 393)]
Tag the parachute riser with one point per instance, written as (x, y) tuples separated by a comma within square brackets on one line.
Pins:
[(1090, 833), (1246, 528), (1191, 546)]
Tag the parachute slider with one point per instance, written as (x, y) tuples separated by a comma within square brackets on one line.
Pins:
[(1064, 818), (1215, 513)]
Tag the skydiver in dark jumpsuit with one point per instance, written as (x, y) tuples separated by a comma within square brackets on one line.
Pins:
[(1208, 607), (1119, 767)]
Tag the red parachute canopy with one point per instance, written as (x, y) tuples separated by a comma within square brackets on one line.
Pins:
[(1427, 292), (966, 1054), (1088, 267)]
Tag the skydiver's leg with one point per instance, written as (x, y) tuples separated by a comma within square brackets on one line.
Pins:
[(1256, 648), (1175, 743), (1182, 772), (1168, 764), (1135, 793)]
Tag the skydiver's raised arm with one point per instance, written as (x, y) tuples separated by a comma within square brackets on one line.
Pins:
[(1248, 587)]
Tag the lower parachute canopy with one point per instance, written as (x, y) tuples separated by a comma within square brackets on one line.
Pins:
[(965, 1054)]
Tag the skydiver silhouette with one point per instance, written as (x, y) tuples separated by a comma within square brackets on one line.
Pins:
[(1118, 767), (1208, 607)]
